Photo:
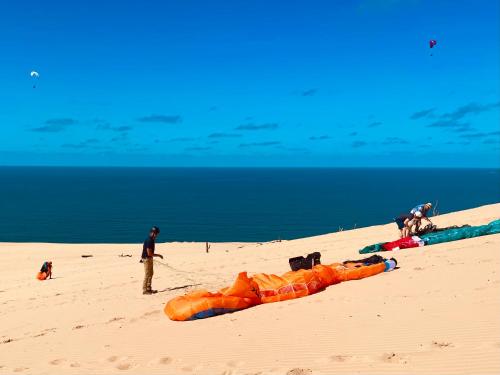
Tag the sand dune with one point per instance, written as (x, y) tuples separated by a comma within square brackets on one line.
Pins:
[(438, 313)]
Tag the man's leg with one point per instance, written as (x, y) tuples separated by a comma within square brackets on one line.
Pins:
[(417, 226), (148, 268), (151, 272)]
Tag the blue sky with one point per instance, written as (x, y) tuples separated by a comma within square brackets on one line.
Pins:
[(238, 83)]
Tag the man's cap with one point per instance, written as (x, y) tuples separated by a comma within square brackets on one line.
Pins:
[(428, 205), (155, 229)]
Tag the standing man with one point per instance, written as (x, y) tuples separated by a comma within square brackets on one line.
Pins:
[(148, 252)]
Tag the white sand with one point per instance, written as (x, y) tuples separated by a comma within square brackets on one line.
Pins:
[(439, 313)]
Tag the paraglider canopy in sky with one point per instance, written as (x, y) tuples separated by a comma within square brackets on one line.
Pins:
[(432, 43), (34, 75)]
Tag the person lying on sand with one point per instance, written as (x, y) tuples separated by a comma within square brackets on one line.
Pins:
[(148, 253), (45, 271)]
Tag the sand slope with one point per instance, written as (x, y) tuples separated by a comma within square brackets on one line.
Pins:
[(438, 313)]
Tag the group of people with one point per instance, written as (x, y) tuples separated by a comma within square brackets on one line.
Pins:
[(409, 224)]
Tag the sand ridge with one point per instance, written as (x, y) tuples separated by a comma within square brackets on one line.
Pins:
[(438, 313)]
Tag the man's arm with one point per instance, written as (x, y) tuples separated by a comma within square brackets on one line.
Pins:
[(151, 254)]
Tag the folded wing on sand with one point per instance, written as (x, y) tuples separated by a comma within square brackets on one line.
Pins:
[(263, 288), (435, 238)]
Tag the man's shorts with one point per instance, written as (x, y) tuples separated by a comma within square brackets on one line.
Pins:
[(400, 221)]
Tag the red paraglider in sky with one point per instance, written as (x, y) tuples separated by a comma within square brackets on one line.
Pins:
[(432, 43)]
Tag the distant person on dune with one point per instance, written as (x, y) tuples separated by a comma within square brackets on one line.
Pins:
[(45, 272), (402, 221), (148, 253), (419, 212)]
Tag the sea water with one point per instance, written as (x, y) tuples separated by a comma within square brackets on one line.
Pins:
[(119, 205)]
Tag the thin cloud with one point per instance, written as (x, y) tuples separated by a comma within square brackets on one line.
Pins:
[(319, 138), (492, 141), (120, 129), (462, 129), (480, 135), (164, 119), (61, 121), (395, 141), (309, 92), (374, 124), (48, 129), (224, 135), (120, 138), (264, 144), (450, 124), (423, 114), (453, 120), (183, 139), (469, 109), (357, 144), (252, 126), (55, 125)]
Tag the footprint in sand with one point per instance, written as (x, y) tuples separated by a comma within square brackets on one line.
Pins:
[(57, 361), (394, 358), (154, 312), (299, 371), (165, 361), (234, 363), (340, 358), (75, 364), (442, 344), (113, 358), (124, 366), (114, 320), (20, 369), (78, 327), (187, 369)]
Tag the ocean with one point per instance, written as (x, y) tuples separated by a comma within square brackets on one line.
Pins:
[(119, 205)]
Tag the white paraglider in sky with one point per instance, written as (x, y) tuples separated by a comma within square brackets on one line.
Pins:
[(35, 76)]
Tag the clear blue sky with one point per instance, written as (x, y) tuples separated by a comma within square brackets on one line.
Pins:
[(250, 83)]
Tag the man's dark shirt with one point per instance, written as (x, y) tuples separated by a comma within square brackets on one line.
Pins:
[(149, 243)]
